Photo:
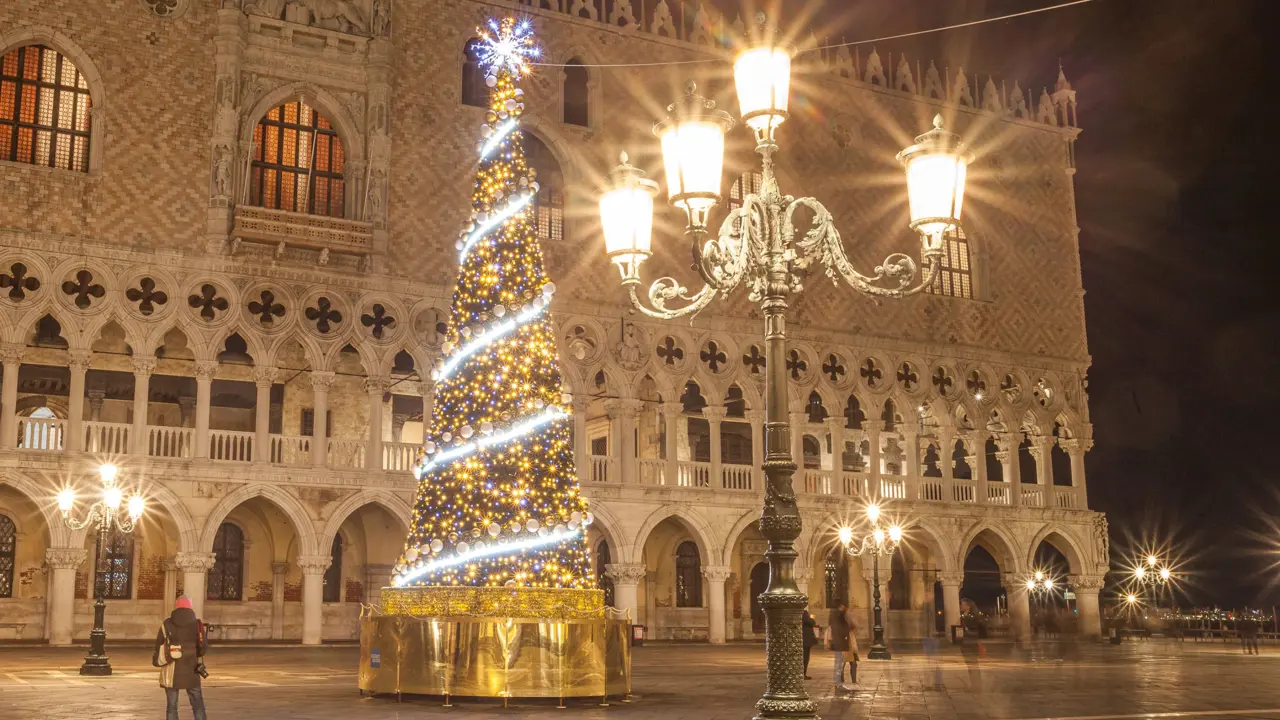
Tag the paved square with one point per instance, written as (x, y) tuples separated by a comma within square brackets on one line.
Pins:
[(1154, 679)]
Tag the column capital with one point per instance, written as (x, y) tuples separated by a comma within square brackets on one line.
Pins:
[(143, 366), (716, 573), (671, 408), (798, 417), (377, 385), (803, 574), (836, 422), (64, 558), (1075, 445), (623, 407), (754, 416), (79, 360), (581, 403), (279, 568), (715, 413), (622, 574), (12, 353), (264, 375), (194, 561), (1087, 583), (206, 370), (951, 578), (314, 564), (322, 380), (96, 394), (1008, 441)]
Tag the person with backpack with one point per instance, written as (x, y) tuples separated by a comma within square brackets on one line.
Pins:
[(179, 653)]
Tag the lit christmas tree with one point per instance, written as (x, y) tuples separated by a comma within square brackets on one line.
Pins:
[(498, 500)]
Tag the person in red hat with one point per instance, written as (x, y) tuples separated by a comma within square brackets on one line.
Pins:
[(179, 653)]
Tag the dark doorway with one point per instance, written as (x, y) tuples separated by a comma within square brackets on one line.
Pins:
[(759, 581)]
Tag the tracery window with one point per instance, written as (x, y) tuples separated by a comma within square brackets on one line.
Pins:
[(577, 97), (955, 277), (8, 553), (688, 575), (747, 183), (835, 576), (44, 109), (225, 579), (548, 205), (298, 162), (115, 566)]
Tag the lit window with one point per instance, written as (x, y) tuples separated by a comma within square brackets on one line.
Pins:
[(748, 183), (297, 162), (44, 109), (115, 567), (955, 278), (8, 550), (688, 575), (225, 579), (548, 205)]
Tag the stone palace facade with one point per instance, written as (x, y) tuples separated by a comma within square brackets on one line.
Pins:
[(227, 247)]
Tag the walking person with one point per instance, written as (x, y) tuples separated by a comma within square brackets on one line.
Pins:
[(810, 628), (1249, 635), (838, 632), (179, 653)]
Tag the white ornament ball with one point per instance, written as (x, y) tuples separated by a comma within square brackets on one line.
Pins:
[(511, 104), (575, 516), (411, 554), (549, 289), (486, 427), (539, 403), (543, 532), (566, 398), (458, 245), (532, 525), (534, 186), (465, 331), (446, 436), (462, 547), (519, 92), (589, 519), (491, 80), (495, 529), (486, 130), (436, 545), (539, 301), (430, 447), (516, 527), (510, 583), (465, 431), (499, 310), (447, 346)]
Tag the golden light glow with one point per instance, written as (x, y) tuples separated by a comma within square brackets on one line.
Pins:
[(1165, 574), (112, 497), (1152, 560), (895, 533), (936, 167), (1131, 598), (136, 507), (1139, 572), (878, 534), (1031, 584), (763, 79), (873, 512), (66, 499), (1039, 575), (846, 535), (693, 156), (108, 473), (626, 212)]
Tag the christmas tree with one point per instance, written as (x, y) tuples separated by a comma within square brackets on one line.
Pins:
[(498, 501)]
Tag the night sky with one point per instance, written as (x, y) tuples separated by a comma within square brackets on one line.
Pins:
[(1172, 198)]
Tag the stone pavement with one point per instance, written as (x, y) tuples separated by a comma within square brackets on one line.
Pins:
[(1153, 679)]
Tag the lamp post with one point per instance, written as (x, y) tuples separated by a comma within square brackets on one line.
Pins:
[(106, 513), (757, 246), (1151, 571), (875, 543)]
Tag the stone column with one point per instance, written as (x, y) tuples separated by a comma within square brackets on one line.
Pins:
[(186, 412), (428, 406), (11, 356), (951, 582), (756, 418), (142, 369), (626, 578), (977, 460), (671, 412), (715, 575), (78, 363), (911, 464), (263, 378), (873, 472), (195, 569), (799, 421), (1019, 611), (279, 571), (170, 585), (60, 609), (581, 447), (1041, 450), (96, 397), (714, 415), (1088, 614), (1076, 449), (321, 381), (835, 428), (397, 426), (623, 413), (376, 387), (1008, 457), (313, 567), (205, 371)]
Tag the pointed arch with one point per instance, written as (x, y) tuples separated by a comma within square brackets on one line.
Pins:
[(298, 516), (387, 500), (42, 497), (1065, 542), (692, 521), (996, 540)]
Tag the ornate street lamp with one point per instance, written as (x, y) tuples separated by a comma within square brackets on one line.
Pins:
[(106, 513), (875, 543), (757, 246)]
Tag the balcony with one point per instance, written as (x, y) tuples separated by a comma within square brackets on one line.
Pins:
[(284, 230)]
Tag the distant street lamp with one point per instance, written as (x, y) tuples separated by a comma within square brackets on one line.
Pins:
[(106, 513), (759, 246), (875, 543)]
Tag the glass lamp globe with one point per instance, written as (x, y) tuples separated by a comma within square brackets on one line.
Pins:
[(626, 212), (936, 166), (692, 140), (762, 76)]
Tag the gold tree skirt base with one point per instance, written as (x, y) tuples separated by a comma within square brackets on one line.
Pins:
[(496, 656), (494, 602)]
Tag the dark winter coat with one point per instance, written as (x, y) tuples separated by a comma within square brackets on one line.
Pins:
[(185, 630), (839, 630), (810, 630)]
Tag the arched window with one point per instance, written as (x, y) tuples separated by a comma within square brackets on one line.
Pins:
[(115, 566), (8, 551), (812, 451), (44, 109), (333, 575), (748, 183), (602, 567), (39, 433), (955, 278), (548, 206), (577, 99), (297, 162), (225, 579), (835, 577), (688, 575), (475, 91)]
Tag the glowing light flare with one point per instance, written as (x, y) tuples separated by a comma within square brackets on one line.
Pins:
[(108, 473), (491, 550), (1152, 560), (492, 222), (507, 46), (846, 535), (112, 497), (66, 500), (496, 139), (136, 507), (762, 77), (1165, 574), (873, 512), (895, 534), (488, 339), (515, 431)]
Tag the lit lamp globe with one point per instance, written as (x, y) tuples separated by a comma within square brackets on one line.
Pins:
[(762, 76), (692, 140), (626, 212), (846, 535), (936, 166)]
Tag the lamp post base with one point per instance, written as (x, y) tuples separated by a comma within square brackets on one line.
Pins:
[(98, 665), (879, 652)]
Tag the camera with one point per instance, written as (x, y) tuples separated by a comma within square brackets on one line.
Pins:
[(202, 671)]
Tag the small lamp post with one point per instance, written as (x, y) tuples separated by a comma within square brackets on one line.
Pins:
[(879, 541), (1153, 572), (107, 515), (758, 246)]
